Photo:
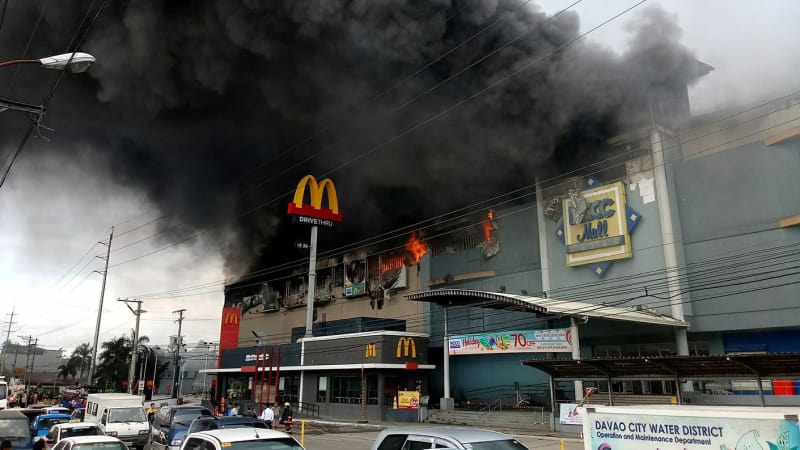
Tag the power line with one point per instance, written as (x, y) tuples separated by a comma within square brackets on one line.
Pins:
[(35, 124)]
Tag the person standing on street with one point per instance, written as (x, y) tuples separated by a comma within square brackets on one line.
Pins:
[(6, 445), (268, 415)]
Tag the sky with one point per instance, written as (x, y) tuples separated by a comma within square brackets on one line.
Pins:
[(53, 209)]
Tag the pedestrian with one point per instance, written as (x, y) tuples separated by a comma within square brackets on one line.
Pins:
[(23, 400), (151, 412), (235, 410), (6, 445), (268, 415), (286, 418), (250, 412), (41, 444)]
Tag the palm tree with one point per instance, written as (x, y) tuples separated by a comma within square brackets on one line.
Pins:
[(68, 369), (82, 358), (115, 360)]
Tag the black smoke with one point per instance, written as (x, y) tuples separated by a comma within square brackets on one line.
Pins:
[(201, 104)]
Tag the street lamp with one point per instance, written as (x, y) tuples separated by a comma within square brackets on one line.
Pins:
[(155, 367), (77, 62)]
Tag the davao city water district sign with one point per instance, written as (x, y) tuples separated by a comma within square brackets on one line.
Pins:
[(595, 226)]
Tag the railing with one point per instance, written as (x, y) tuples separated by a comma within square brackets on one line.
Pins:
[(307, 410), (531, 396), (494, 405)]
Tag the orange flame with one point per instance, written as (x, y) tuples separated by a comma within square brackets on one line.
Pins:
[(488, 226), (416, 248), (392, 263)]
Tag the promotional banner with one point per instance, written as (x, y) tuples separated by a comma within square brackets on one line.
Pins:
[(645, 432), (408, 399), (515, 341), (570, 414)]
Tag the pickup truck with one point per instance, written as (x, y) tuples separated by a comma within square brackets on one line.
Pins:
[(171, 424), (42, 423)]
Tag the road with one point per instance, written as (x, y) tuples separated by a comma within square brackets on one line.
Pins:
[(363, 441)]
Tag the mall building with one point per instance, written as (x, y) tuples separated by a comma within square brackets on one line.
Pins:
[(684, 240)]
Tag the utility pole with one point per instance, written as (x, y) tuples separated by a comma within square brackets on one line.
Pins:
[(33, 358), (8, 342), (178, 342), (135, 352), (93, 363), (26, 375)]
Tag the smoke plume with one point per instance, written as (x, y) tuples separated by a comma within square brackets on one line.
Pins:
[(201, 105)]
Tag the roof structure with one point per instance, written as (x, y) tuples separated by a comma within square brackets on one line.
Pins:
[(743, 366), (544, 306)]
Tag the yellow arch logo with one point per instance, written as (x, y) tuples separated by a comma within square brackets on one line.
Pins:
[(371, 351), (404, 345), (231, 318), (315, 209)]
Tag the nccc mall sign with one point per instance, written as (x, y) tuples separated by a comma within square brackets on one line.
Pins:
[(313, 213), (596, 225)]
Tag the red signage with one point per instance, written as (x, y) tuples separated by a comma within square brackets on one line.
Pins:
[(229, 330)]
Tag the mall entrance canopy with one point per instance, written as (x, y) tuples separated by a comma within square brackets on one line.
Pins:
[(541, 306), (678, 368)]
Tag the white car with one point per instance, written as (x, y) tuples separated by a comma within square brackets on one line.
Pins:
[(90, 443), (73, 429), (240, 439)]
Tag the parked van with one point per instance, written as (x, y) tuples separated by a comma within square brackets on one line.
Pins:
[(14, 426), (119, 415)]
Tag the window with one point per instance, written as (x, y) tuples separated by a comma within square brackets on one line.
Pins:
[(392, 442), (60, 446), (194, 444), (322, 389)]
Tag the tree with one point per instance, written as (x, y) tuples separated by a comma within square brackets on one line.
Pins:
[(81, 358), (115, 360), (67, 370)]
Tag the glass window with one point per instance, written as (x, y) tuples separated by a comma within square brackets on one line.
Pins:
[(264, 444), (3, 391), (126, 415), (100, 446), (81, 431), (392, 442), (322, 389), (509, 444), (193, 444)]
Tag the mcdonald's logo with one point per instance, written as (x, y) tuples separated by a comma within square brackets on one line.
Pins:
[(314, 210), (403, 345), (231, 318), (371, 351)]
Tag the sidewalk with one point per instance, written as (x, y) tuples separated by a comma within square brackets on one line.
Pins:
[(350, 426)]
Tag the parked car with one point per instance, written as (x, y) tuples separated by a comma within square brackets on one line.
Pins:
[(171, 424), (78, 413), (14, 426), (90, 443), (43, 422), (416, 438), (217, 423), (240, 439), (71, 429)]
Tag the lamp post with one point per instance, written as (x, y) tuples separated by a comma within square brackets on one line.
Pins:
[(77, 62)]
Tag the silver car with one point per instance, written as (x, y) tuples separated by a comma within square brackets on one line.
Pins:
[(418, 438)]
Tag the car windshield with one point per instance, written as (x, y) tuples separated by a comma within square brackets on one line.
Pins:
[(127, 415), (45, 424), (3, 391), (14, 428), (508, 444), (81, 431), (186, 416), (263, 444), (100, 446)]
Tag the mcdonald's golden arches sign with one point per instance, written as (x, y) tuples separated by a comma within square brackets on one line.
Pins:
[(406, 348), (313, 213), (371, 351), (229, 331)]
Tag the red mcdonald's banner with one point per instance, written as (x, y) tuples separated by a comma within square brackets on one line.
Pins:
[(229, 331)]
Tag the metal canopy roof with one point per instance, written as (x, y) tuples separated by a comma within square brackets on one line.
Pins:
[(546, 306), (750, 366)]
